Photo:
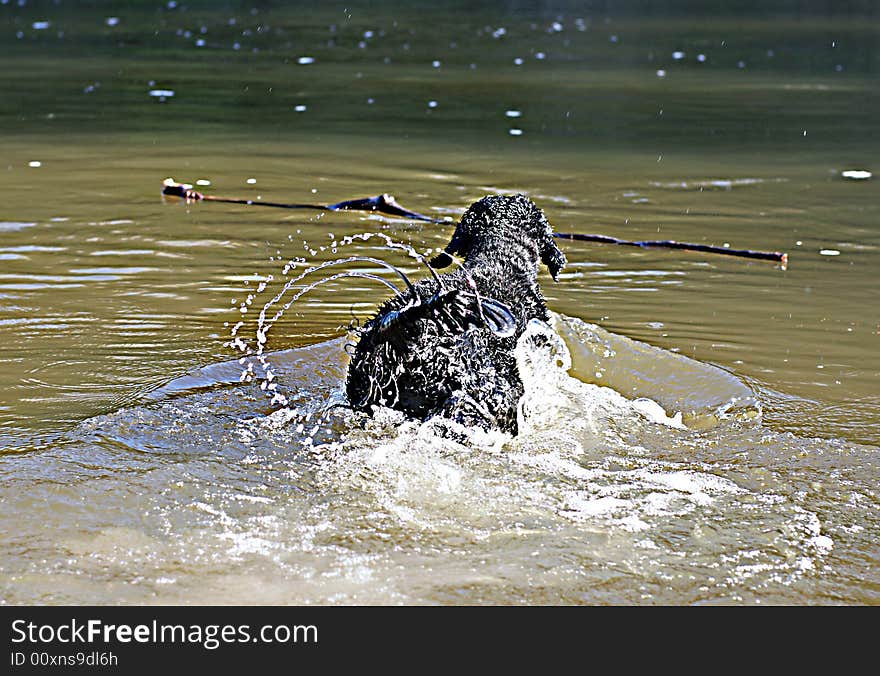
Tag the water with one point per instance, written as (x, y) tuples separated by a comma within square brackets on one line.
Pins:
[(136, 467)]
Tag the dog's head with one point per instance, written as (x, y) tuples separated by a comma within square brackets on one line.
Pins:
[(503, 218)]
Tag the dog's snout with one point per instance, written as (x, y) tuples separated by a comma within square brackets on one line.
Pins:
[(441, 260)]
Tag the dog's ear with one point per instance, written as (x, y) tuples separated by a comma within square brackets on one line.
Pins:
[(551, 255), (553, 258)]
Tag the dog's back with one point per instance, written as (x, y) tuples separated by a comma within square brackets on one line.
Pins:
[(447, 347)]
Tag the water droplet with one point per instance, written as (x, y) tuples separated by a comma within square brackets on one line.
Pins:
[(516, 132), (35, 164), (305, 60), (112, 20), (251, 181), (512, 113), (300, 108), (661, 73), (432, 104)]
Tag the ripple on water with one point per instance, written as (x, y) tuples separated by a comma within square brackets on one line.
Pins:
[(12, 226), (112, 271), (123, 252), (714, 183), (32, 248), (188, 243)]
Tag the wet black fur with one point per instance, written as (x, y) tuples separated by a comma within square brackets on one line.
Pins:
[(437, 357)]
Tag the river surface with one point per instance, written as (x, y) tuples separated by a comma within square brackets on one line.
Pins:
[(697, 429)]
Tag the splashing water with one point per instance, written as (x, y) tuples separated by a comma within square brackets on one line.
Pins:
[(692, 392), (254, 353)]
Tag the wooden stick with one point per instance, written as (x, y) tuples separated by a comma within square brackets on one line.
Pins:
[(776, 256), (386, 204), (383, 203)]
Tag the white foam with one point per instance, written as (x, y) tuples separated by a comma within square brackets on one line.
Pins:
[(655, 413), (590, 507)]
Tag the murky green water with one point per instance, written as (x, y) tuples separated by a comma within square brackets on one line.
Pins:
[(122, 483)]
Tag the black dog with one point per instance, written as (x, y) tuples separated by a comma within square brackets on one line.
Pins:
[(446, 348)]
